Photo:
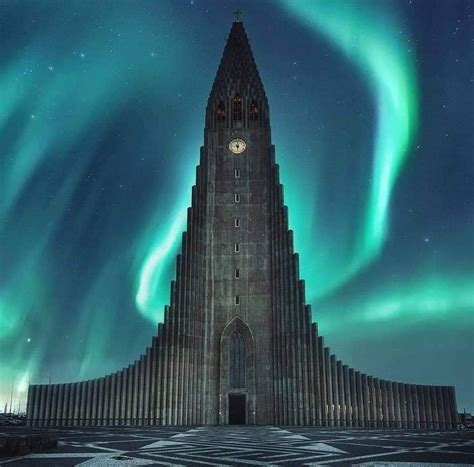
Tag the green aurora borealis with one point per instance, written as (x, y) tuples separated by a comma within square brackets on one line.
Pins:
[(101, 116)]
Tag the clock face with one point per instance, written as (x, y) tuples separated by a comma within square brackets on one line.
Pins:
[(237, 146)]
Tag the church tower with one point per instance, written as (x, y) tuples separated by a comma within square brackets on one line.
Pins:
[(238, 344)]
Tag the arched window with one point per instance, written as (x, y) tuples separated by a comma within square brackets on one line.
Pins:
[(237, 107), (220, 112), (253, 115), (237, 360)]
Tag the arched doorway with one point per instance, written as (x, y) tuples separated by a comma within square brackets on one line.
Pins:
[(237, 374)]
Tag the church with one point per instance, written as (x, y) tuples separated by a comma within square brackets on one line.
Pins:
[(238, 345)]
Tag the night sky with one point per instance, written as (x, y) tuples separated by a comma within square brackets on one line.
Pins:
[(101, 119)]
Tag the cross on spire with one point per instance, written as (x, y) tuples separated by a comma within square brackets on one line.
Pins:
[(237, 14)]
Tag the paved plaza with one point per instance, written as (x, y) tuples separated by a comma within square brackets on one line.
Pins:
[(247, 445)]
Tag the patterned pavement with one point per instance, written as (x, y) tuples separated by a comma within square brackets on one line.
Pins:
[(248, 445)]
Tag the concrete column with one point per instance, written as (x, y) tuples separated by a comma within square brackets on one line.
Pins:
[(118, 398), (82, 403), (276, 307), (434, 407), (310, 390), (141, 389), (447, 408), (415, 405), (123, 397), (453, 407), (323, 383), (35, 404), (360, 400), (146, 389), (176, 314), (409, 404), (41, 404), (188, 301), (107, 400), (329, 387), (88, 403), (66, 404), (372, 403), (428, 412), (158, 353), (335, 391), (136, 397), (33, 407), (129, 391), (397, 405), (59, 408), (347, 397), (46, 402), (296, 393), (100, 401), (72, 403), (341, 396), (166, 370), (47, 408), (112, 399), (377, 403), (173, 347), (384, 393), (421, 407), (284, 357), (440, 406), (153, 412), (403, 405), (78, 403), (366, 400), (454, 410), (288, 396), (279, 339), (392, 417), (94, 402), (29, 405), (353, 398), (304, 323), (53, 417), (317, 377)]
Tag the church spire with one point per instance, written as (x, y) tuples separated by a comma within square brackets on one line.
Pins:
[(237, 94)]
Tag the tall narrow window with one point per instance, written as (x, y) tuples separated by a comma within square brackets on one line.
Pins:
[(237, 107), (237, 198), (237, 299), (220, 112), (237, 273), (237, 173), (237, 360), (237, 222), (237, 247), (253, 114)]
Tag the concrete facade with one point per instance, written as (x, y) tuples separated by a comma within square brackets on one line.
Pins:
[(238, 327)]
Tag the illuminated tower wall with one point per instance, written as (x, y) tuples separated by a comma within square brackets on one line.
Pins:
[(238, 344)]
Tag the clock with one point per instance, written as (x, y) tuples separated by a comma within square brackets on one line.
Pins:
[(237, 146)]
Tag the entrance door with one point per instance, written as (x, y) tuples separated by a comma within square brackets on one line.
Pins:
[(237, 409)]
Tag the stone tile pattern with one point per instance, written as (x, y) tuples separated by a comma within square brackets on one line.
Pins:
[(252, 445), (238, 244)]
